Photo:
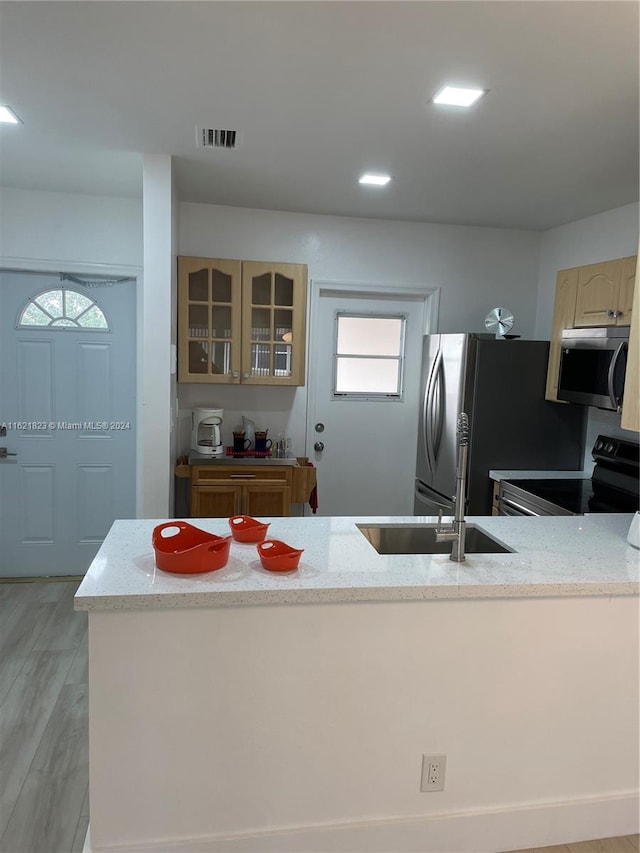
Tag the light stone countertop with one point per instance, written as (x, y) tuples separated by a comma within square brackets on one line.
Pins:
[(499, 475), (554, 556)]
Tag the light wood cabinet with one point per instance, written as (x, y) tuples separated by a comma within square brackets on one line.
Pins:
[(594, 295), (601, 299), (631, 401), (241, 322), (222, 490), (274, 298), (564, 310), (628, 286)]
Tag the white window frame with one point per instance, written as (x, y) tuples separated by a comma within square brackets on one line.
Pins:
[(369, 396)]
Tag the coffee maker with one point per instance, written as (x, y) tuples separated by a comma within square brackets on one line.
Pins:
[(206, 434)]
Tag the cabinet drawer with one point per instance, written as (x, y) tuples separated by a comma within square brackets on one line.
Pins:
[(204, 474)]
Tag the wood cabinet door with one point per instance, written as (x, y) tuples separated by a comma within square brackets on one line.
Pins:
[(564, 310), (209, 321), (220, 501), (267, 499), (274, 298), (631, 400), (598, 294), (627, 288)]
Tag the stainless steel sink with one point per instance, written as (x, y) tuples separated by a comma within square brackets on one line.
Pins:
[(421, 539)]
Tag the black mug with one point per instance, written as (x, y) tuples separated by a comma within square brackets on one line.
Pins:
[(262, 442), (240, 443)]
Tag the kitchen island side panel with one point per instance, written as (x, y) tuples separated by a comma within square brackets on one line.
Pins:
[(223, 722)]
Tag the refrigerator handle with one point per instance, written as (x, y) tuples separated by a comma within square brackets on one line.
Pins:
[(427, 409), (433, 414)]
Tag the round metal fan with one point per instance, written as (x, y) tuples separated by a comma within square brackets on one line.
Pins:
[(499, 321)]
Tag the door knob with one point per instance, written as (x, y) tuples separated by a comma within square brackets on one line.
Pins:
[(318, 446)]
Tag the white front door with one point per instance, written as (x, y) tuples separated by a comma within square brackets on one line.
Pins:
[(367, 464), (67, 406)]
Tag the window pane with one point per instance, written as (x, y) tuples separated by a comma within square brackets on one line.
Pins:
[(260, 359), (260, 324), (199, 286), (220, 286), (369, 335), (51, 301), (367, 376), (261, 289), (66, 308), (198, 356), (93, 319), (33, 316), (75, 303), (284, 290)]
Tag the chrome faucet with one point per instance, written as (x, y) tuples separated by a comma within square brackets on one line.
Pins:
[(455, 532)]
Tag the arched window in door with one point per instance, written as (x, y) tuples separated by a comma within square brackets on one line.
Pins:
[(63, 308)]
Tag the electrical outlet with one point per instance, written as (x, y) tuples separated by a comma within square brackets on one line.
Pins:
[(434, 768)]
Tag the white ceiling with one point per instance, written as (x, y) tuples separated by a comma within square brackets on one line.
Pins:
[(323, 91)]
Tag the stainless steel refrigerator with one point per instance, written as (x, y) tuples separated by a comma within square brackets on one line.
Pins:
[(500, 384)]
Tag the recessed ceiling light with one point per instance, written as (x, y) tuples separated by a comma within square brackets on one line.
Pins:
[(8, 116), (456, 96), (375, 180)]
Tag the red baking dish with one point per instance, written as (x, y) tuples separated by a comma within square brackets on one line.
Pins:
[(247, 529), (190, 551), (277, 556)]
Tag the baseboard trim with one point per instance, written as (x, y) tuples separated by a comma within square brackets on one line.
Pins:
[(481, 831)]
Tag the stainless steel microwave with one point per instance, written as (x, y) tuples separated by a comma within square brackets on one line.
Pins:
[(593, 364)]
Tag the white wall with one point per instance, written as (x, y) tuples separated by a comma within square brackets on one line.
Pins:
[(609, 235), (476, 269), (307, 725), (155, 460), (70, 229)]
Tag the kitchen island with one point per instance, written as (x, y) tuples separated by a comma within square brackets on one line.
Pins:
[(242, 710)]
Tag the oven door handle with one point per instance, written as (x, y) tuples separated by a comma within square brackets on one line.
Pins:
[(518, 507), (616, 402)]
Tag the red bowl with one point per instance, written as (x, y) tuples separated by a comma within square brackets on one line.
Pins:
[(190, 551), (277, 556), (247, 529)]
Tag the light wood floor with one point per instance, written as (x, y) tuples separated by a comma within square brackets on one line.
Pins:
[(44, 767), (623, 844), (44, 751)]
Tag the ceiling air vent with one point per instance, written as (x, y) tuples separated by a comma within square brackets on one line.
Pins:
[(212, 138)]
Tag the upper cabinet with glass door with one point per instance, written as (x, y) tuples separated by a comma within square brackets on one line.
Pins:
[(209, 305), (241, 322), (273, 323)]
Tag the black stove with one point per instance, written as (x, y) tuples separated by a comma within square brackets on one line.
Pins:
[(613, 487)]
